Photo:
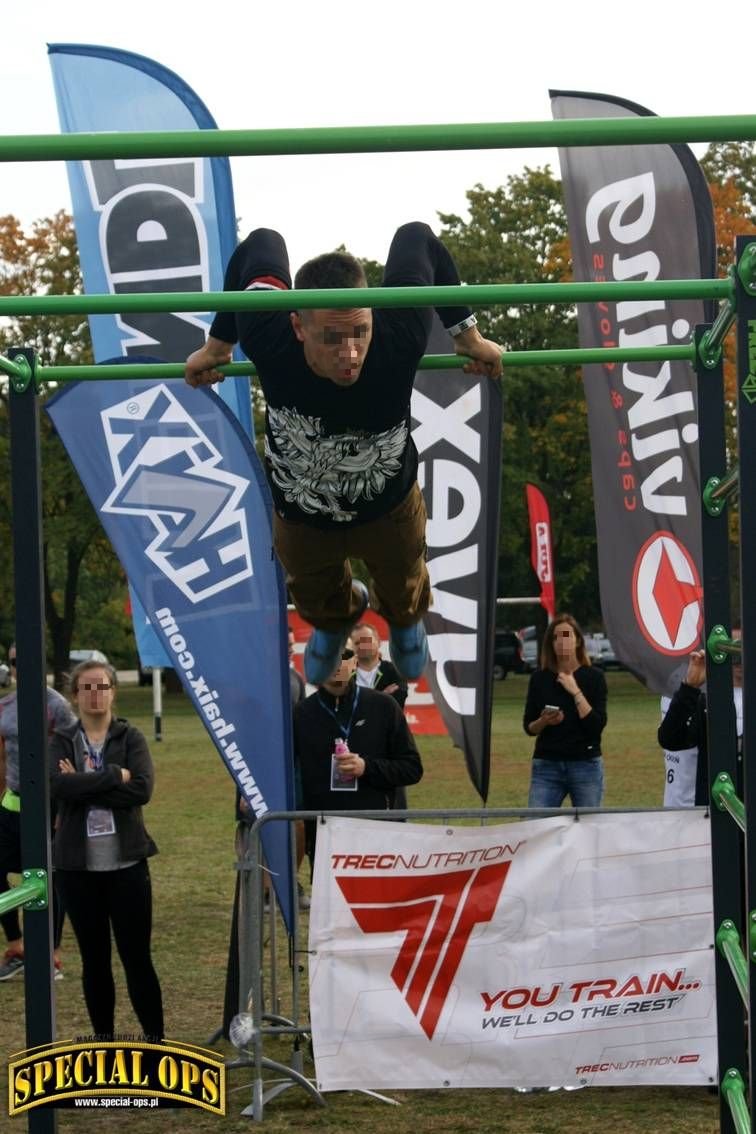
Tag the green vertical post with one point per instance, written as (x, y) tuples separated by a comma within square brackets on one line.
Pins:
[(746, 379)]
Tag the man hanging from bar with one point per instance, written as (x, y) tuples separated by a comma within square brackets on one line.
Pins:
[(339, 454)]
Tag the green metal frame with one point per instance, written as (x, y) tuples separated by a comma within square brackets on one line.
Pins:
[(474, 295), (734, 1092), (728, 943), (721, 646), (718, 490), (726, 798), (31, 894), (570, 356), (710, 345), (379, 139), (18, 370)]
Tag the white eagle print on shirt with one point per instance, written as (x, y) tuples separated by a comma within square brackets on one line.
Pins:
[(321, 473)]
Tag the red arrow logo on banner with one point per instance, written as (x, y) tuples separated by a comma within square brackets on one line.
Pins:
[(437, 912)]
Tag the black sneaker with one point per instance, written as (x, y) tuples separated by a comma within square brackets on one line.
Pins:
[(13, 965)]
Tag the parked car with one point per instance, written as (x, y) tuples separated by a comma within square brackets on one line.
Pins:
[(145, 674), (76, 657), (507, 654), (601, 652), (528, 636)]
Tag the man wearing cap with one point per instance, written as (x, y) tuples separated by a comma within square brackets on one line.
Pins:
[(352, 745)]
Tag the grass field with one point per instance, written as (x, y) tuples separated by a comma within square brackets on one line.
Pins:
[(191, 818)]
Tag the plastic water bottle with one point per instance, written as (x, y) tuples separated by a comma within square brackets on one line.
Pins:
[(341, 781)]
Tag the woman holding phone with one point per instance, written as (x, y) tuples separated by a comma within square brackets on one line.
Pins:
[(566, 711)]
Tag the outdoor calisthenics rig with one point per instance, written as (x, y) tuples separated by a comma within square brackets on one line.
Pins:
[(734, 890)]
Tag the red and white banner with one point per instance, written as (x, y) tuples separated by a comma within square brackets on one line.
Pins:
[(544, 953), (420, 709), (541, 554)]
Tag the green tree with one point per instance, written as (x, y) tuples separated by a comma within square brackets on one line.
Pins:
[(518, 234), (75, 550), (733, 163)]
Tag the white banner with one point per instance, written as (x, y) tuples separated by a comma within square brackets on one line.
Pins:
[(552, 952)]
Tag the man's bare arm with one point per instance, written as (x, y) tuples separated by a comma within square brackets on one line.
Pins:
[(485, 353), (201, 366)]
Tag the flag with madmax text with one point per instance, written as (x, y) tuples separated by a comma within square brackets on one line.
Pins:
[(544, 953)]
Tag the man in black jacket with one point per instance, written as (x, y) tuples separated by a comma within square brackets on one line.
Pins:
[(378, 751), (372, 671), (684, 724)]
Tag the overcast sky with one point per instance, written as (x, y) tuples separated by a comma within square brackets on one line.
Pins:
[(336, 62)]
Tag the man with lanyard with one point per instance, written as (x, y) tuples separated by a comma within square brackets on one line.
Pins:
[(339, 454), (352, 746), (59, 714)]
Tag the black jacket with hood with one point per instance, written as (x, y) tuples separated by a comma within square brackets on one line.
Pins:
[(76, 792)]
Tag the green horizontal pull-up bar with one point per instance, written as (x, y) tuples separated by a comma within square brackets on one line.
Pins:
[(568, 357), (380, 139), (472, 295)]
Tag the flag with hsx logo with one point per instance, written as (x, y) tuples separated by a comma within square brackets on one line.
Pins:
[(184, 502)]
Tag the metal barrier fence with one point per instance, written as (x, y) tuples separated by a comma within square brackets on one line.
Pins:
[(259, 1016)]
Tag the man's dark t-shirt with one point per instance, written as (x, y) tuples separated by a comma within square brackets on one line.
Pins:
[(338, 455)]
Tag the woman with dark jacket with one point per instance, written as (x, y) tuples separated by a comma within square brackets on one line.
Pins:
[(101, 775), (566, 712)]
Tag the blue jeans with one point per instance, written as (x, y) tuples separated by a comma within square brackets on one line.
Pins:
[(551, 781)]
